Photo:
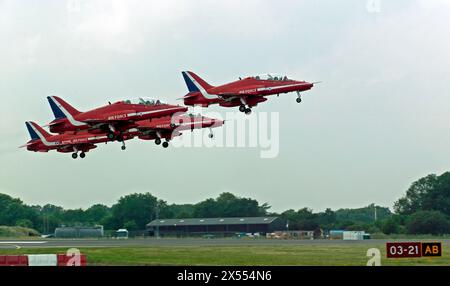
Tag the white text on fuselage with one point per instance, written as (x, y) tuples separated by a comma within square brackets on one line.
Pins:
[(74, 141), (248, 91), (117, 117)]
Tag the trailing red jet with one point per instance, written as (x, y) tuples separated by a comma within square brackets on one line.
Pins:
[(169, 127), (113, 119), (245, 93), (69, 142)]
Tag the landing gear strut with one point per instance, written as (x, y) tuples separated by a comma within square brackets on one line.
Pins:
[(211, 134), (299, 97)]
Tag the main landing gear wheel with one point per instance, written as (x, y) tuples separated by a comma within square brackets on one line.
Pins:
[(157, 141), (165, 144), (111, 136), (298, 100), (123, 147), (74, 155), (242, 108), (210, 135), (82, 155), (248, 111)]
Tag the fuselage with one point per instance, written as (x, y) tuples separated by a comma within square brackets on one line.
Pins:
[(251, 88), (171, 126), (66, 142), (123, 115)]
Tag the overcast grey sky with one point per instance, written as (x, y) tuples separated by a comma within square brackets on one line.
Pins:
[(379, 120)]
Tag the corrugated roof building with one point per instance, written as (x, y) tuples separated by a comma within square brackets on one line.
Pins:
[(214, 226)]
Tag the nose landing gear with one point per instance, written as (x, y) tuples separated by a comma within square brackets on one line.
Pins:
[(211, 134), (299, 97)]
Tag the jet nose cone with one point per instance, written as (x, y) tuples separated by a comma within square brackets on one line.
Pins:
[(217, 122)]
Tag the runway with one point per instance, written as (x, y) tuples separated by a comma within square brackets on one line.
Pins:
[(168, 242)]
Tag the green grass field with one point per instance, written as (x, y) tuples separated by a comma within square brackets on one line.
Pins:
[(321, 255)]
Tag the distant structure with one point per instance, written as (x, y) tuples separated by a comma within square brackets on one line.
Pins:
[(79, 232), (214, 226), (122, 233), (349, 235)]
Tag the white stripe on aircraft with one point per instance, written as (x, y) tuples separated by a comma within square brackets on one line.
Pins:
[(280, 86)]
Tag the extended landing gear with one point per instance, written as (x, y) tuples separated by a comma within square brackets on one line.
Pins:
[(75, 155), (165, 144), (211, 134), (123, 147), (299, 97), (246, 110)]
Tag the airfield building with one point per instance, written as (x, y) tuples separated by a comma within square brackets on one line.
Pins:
[(214, 226)]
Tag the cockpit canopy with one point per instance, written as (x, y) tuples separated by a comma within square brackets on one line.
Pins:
[(271, 77), (144, 101)]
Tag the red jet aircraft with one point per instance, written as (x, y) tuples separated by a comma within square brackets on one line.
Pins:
[(113, 119), (83, 142), (245, 93), (170, 127)]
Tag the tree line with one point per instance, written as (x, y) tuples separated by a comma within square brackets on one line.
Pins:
[(425, 209)]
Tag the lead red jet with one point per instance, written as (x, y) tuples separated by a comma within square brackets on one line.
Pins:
[(68, 142), (113, 119), (245, 93)]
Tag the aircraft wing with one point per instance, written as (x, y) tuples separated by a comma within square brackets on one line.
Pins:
[(85, 147)]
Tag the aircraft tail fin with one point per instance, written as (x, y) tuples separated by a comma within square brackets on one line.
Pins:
[(194, 82), (36, 131), (60, 108)]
